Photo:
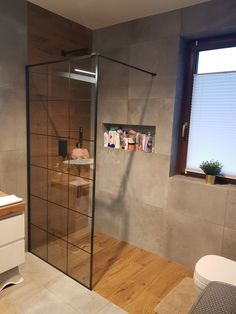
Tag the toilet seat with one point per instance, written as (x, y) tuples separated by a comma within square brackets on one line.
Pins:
[(214, 268)]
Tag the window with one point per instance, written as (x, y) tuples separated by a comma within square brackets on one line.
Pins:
[(209, 118)]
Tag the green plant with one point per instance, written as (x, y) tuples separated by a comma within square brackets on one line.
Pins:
[(212, 167)]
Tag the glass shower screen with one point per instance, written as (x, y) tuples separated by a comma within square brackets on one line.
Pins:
[(61, 163)]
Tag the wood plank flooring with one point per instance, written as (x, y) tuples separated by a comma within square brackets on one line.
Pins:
[(133, 279)]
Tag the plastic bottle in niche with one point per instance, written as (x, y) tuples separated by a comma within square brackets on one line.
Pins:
[(131, 144), (137, 139), (111, 140), (143, 141), (105, 139), (148, 143), (153, 144), (126, 140), (117, 140)]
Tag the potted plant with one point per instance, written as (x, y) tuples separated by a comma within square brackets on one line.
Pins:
[(211, 168)]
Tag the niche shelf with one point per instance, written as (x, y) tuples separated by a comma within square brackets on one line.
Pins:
[(141, 138)]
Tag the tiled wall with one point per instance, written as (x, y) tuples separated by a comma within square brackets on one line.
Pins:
[(12, 97), (137, 199)]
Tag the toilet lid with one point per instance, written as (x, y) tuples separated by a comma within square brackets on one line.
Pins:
[(215, 268)]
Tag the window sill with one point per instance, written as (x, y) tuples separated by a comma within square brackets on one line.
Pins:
[(201, 181)]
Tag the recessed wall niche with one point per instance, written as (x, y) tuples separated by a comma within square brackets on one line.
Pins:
[(129, 137)]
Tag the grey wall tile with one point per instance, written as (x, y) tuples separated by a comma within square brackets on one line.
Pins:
[(130, 220), (147, 178), (198, 200), (157, 112), (12, 97), (111, 170), (158, 56), (186, 239), (110, 215), (156, 26), (230, 218), (212, 18), (229, 244)]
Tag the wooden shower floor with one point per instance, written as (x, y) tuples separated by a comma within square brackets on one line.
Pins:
[(133, 279)]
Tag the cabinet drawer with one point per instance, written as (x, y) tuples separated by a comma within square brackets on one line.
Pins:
[(12, 229), (12, 255)]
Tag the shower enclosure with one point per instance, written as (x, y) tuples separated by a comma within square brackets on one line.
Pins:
[(62, 131)]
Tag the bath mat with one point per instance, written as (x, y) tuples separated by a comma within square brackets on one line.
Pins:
[(179, 300)]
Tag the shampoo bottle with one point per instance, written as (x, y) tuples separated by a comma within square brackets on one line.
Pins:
[(105, 139), (117, 140), (148, 143)]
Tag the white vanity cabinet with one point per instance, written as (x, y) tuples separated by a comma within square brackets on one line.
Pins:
[(12, 242), (12, 236)]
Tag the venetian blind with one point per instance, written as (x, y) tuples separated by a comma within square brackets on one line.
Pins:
[(212, 130)]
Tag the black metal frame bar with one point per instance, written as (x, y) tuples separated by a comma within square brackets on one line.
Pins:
[(95, 54), (127, 65)]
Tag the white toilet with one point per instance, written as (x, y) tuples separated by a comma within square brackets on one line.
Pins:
[(214, 268)]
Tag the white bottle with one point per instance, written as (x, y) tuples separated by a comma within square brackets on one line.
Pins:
[(117, 140), (105, 139), (126, 143), (111, 138)]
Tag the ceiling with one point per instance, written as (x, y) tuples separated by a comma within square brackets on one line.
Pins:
[(101, 13)]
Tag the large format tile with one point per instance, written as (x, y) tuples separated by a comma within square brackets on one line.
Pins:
[(158, 56), (157, 112), (37, 271), (13, 173), (146, 177), (110, 214), (186, 238), (42, 302), (111, 308), (210, 18), (130, 220), (111, 170), (230, 218), (7, 120), (80, 298), (142, 226), (197, 199), (156, 26), (229, 244)]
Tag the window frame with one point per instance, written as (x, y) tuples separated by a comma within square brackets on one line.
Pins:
[(193, 48)]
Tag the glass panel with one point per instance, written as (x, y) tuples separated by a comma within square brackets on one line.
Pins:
[(79, 230), (58, 81), (39, 212), (38, 182), (38, 150), (58, 188), (58, 118), (38, 83), (57, 220), (81, 159), (79, 264), (38, 117), (57, 153), (39, 242), (62, 119), (80, 195), (57, 252), (80, 117)]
